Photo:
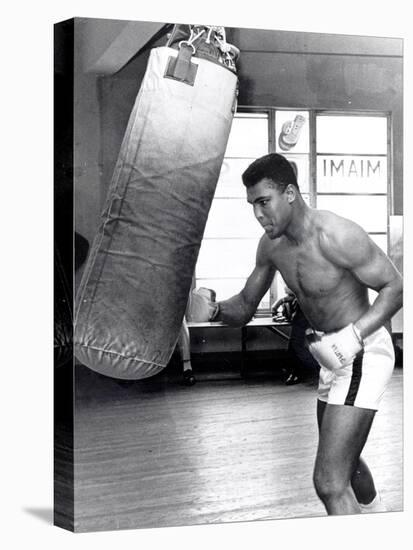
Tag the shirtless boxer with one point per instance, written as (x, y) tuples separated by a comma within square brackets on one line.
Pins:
[(329, 263)]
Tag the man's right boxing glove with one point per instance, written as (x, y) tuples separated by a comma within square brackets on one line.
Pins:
[(202, 305), (334, 350)]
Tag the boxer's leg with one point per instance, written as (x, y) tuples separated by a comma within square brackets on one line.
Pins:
[(363, 484), (362, 479), (353, 394), (343, 433)]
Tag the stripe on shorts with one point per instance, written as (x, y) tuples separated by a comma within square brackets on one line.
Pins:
[(355, 379)]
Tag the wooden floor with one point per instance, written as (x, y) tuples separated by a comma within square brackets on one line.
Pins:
[(156, 453)]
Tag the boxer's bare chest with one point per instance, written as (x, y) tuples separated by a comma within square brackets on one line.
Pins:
[(307, 271)]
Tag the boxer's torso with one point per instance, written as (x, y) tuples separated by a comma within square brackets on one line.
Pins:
[(329, 295)]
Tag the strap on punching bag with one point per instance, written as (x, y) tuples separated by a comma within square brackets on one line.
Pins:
[(180, 67)]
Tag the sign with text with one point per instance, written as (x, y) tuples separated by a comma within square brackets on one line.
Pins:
[(351, 174)]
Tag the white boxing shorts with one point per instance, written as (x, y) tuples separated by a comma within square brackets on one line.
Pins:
[(362, 383)]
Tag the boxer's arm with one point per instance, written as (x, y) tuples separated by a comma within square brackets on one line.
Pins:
[(238, 310), (350, 247)]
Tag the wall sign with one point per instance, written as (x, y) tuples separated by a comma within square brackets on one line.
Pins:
[(351, 174)]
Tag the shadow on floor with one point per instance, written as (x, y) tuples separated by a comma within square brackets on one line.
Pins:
[(44, 514)]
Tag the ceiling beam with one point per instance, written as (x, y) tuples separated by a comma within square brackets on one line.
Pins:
[(105, 46)]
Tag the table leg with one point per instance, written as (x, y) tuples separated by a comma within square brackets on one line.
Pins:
[(243, 351)]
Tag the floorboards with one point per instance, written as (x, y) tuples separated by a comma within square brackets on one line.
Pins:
[(156, 453)]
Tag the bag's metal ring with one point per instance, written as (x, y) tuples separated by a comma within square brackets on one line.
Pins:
[(187, 44)]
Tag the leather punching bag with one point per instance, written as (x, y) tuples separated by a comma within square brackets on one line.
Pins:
[(135, 286)]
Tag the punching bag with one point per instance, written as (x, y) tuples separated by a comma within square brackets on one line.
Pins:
[(135, 286)]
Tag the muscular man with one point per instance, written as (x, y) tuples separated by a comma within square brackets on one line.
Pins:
[(329, 263)]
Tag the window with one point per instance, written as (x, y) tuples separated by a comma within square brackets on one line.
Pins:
[(352, 170), (231, 236), (349, 154)]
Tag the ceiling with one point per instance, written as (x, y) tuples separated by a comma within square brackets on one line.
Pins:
[(104, 46)]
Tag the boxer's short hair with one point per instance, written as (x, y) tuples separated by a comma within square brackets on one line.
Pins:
[(274, 167)]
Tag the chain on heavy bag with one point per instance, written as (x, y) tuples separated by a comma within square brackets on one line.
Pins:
[(135, 286)]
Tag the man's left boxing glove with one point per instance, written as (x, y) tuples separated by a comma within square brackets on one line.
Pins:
[(335, 350)]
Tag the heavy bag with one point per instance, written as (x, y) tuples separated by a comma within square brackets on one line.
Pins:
[(135, 286)]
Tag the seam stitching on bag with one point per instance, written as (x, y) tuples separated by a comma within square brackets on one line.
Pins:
[(120, 355)]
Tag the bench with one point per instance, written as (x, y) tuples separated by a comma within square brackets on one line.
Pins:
[(256, 322)]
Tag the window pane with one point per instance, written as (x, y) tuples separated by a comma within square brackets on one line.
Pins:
[(352, 134), (228, 250), (279, 287), (369, 212), (381, 241), (230, 181), (351, 174), (292, 131), (226, 258), (372, 295), (301, 163), (232, 218), (265, 302), (248, 137)]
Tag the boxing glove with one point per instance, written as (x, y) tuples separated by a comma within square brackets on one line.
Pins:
[(334, 350), (202, 305)]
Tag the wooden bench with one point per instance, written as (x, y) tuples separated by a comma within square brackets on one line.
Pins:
[(257, 322)]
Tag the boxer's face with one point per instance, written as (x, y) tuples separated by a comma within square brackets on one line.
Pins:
[(272, 207)]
